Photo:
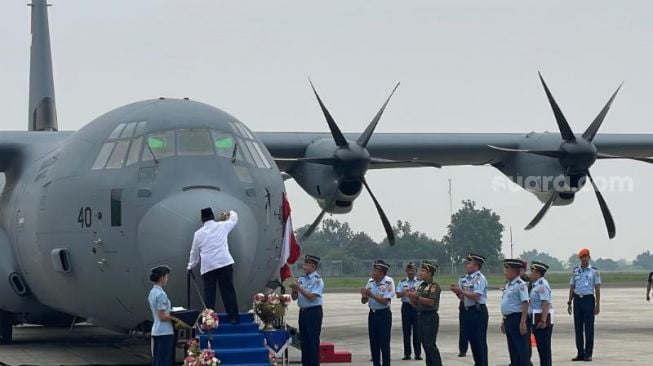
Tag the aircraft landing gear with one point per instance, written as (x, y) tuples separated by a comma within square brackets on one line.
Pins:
[(6, 326)]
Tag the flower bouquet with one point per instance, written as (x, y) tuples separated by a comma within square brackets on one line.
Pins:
[(208, 320), (270, 308), (204, 358)]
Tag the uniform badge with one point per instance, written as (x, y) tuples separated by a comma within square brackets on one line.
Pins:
[(433, 288), (542, 290)]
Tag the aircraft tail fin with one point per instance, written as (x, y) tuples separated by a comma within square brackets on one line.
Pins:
[(42, 114)]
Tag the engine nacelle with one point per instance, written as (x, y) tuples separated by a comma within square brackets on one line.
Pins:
[(321, 181), (541, 176)]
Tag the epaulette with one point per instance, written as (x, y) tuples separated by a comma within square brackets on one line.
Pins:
[(317, 275), (594, 268), (465, 276), (520, 281), (388, 282), (370, 280)]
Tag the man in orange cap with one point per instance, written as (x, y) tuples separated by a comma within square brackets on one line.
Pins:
[(585, 292)]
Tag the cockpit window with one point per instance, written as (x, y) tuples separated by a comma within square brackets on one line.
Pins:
[(224, 144), (194, 142), (127, 144), (118, 155), (102, 157), (161, 144), (116, 131), (128, 131), (140, 128), (134, 151)]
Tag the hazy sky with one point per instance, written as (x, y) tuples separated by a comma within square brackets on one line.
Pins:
[(465, 66)]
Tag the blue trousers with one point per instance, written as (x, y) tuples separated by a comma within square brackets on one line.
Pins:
[(475, 323), (584, 322), (518, 344), (310, 327), (162, 350), (463, 341), (379, 325), (408, 326)]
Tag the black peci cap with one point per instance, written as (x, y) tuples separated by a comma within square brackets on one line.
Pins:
[(207, 214)]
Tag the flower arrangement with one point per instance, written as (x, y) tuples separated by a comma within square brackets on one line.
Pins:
[(209, 320), (204, 358), (270, 307)]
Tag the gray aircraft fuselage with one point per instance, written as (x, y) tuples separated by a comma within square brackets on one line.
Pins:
[(85, 237)]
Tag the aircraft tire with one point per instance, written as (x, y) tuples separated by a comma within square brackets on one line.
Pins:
[(6, 326)]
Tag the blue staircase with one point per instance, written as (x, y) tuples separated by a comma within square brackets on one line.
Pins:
[(240, 344)]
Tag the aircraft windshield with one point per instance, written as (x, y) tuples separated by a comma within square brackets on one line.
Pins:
[(127, 144)]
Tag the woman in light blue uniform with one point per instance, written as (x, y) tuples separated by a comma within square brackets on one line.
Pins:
[(162, 329), (540, 310)]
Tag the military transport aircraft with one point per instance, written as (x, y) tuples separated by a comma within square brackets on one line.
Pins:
[(85, 214)]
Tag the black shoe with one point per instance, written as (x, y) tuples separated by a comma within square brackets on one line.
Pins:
[(418, 358), (234, 321), (462, 354), (588, 358), (406, 358), (578, 358)]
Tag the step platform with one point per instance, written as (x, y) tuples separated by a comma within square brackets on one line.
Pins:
[(328, 354), (237, 344)]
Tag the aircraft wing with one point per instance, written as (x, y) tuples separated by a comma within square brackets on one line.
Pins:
[(441, 148)]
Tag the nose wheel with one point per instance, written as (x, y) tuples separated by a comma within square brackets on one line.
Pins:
[(6, 326)]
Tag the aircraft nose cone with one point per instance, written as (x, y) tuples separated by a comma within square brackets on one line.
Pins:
[(165, 234)]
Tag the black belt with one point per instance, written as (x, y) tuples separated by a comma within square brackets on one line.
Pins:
[(511, 315), (379, 310), (475, 307), (426, 312), (583, 296), (311, 308)]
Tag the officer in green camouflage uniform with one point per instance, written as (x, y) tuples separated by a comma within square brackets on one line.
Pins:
[(426, 300)]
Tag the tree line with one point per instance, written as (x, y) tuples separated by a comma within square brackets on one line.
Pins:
[(472, 230)]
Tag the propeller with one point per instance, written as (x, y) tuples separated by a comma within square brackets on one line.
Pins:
[(351, 160), (576, 155)]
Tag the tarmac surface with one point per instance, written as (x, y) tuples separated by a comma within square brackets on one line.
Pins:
[(623, 335)]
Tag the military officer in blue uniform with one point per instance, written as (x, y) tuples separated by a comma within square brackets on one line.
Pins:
[(540, 311), (474, 296), (514, 308), (463, 341), (377, 294), (308, 293), (585, 292), (408, 312), (426, 300)]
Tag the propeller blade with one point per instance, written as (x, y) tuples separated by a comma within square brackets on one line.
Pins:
[(596, 124), (563, 126), (322, 161), (314, 225), (380, 161), (319, 217), (607, 216), (338, 137), (549, 153), (543, 211), (365, 137), (384, 218), (608, 156)]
